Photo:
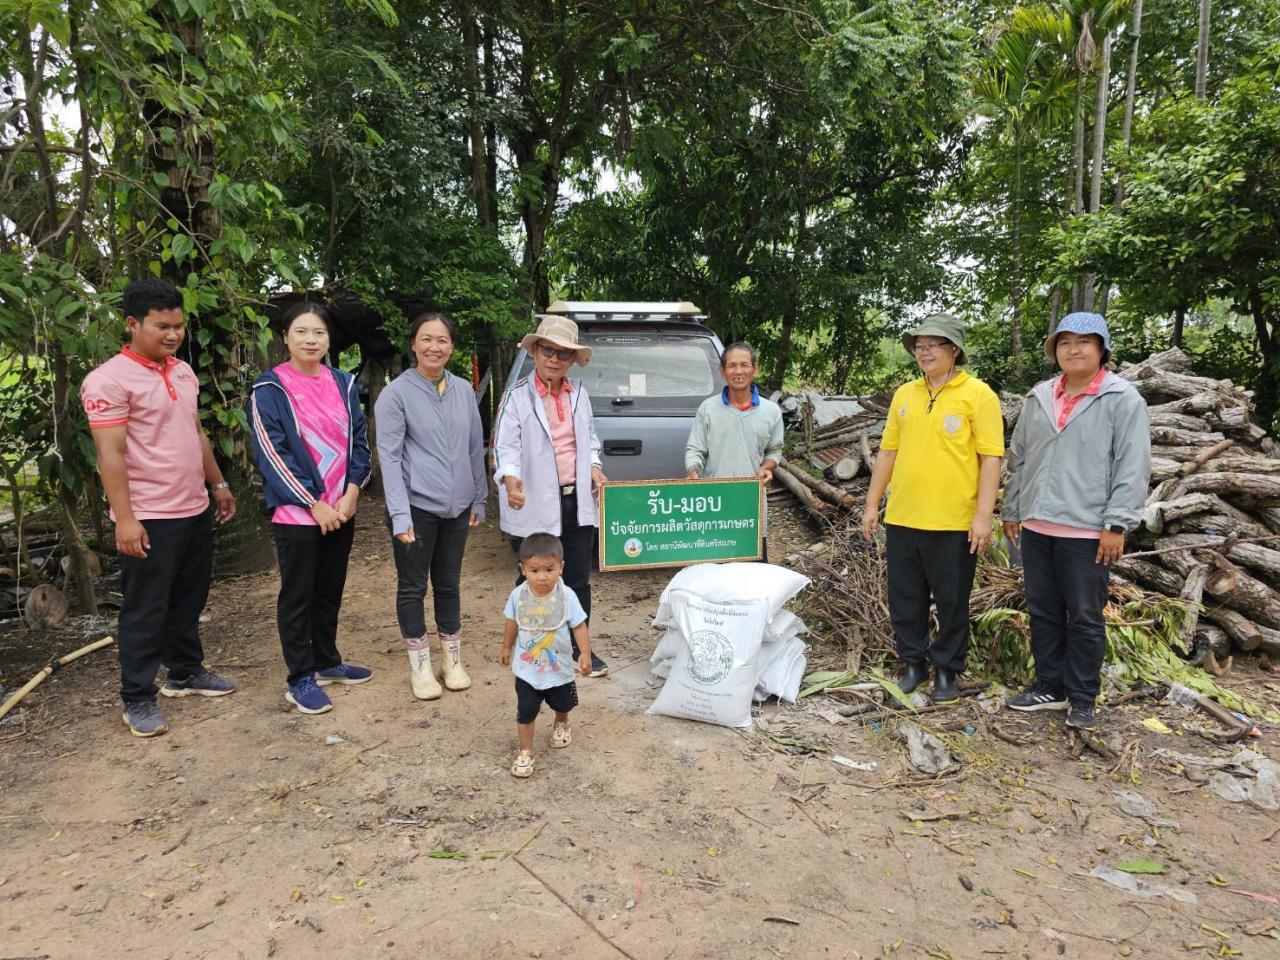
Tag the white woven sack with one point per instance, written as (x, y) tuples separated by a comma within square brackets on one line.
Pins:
[(781, 676), (734, 582), (714, 673)]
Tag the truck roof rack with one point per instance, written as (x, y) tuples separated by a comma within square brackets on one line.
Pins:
[(625, 310)]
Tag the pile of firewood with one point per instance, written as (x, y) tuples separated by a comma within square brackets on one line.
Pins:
[(1211, 527), (1210, 531), (844, 451)]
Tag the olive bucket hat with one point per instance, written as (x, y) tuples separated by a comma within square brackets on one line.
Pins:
[(942, 325)]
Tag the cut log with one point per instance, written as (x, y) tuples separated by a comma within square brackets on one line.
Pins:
[(1244, 633), (833, 496), (1156, 515), (1198, 403), (46, 606), (1211, 639), (1152, 382), (1179, 421), (1270, 517), (1192, 593), (1162, 469), (1150, 576), (1256, 556), (846, 468), (864, 451), (1216, 524), (1171, 436), (1173, 359), (1246, 636), (1255, 465), (1183, 453), (1170, 489), (802, 493), (1231, 586), (1257, 487), (1200, 459), (1228, 417)]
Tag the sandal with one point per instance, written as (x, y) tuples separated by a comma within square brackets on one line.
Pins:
[(561, 736), (523, 766)]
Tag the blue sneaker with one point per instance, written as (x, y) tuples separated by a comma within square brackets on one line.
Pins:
[(343, 673), (308, 697)]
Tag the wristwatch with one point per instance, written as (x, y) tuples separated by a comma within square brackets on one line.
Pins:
[(1115, 528), (220, 486)]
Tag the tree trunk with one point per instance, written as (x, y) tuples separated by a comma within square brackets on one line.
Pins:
[(1077, 188), (480, 189), (1130, 92), (1267, 327), (1015, 248), (1202, 51), (1179, 322), (1099, 143), (791, 308), (68, 501)]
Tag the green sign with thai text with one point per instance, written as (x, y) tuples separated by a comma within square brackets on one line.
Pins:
[(671, 523)]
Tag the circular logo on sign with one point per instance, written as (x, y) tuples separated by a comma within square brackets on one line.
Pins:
[(951, 423), (710, 656), (633, 547)]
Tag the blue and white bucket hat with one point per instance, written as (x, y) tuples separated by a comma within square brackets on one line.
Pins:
[(1081, 322)]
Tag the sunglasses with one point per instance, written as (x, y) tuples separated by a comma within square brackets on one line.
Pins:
[(548, 351)]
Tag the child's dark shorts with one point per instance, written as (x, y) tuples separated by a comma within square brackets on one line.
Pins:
[(529, 699)]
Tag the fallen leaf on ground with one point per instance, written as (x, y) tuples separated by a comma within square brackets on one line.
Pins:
[(1142, 866)]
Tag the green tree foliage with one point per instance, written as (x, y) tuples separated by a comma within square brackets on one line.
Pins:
[(1202, 213)]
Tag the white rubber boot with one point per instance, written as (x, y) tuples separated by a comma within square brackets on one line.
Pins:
[(421, 677), (455, 678)]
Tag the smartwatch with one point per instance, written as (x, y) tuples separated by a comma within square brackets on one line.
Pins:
[(1115, 528)]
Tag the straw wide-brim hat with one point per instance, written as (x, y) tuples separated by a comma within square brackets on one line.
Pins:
[(561, 331)]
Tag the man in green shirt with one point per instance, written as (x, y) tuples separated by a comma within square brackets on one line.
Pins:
[(738, 433)]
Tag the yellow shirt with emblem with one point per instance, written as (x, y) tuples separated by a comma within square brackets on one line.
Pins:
[(935, 477)]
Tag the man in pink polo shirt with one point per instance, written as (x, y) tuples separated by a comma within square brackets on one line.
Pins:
[(154, 460)]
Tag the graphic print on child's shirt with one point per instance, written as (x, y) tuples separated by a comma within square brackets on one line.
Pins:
[(543, 652)]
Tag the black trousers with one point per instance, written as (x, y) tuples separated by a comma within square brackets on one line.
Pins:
[(435, 555), (924, 565), (578, 543), (313, 573), (1066, 591), (164, 593)]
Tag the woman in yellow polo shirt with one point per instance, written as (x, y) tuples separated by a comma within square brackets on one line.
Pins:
[(940, 460)]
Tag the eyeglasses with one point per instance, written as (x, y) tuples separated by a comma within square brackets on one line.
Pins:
[(929, 347), (548, 351)]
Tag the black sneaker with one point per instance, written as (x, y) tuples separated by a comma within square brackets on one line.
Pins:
[(598, 667), (912, 676), (946, 686), (1035, 698), (204, 683), (1081, 716)]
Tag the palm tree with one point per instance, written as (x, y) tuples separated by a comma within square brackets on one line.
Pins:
[(1073, 28), (1021, 87)]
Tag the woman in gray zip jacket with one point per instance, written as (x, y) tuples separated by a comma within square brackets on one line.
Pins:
[(1079, 467)]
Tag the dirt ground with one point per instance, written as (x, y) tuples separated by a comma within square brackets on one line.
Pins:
[(251, 832)]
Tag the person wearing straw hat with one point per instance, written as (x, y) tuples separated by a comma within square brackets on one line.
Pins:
[(940, 460), (548, 457), (1079, 465)]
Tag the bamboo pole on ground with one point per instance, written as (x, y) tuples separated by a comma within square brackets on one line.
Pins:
[(53, 666)]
